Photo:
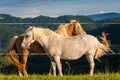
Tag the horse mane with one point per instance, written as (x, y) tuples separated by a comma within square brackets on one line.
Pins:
[(42, 32), (11, 43), (78, 27), (62, 30)]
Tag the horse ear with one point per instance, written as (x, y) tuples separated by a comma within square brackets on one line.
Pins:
[(30, 27), (73, 21)]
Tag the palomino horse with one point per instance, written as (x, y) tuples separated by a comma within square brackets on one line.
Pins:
[(18, 57), (59, 47)]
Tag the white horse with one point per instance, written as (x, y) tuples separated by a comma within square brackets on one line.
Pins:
[(69, 48), (18, 57)]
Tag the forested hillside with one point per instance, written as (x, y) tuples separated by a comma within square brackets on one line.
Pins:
[(104, 16)]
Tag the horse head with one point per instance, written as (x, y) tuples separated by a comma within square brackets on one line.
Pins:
[(28, 38)]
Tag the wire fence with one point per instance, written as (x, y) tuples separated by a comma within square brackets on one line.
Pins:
[(55, 23), (44, 54)]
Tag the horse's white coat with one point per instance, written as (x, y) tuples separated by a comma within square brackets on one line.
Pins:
[(59, 47)]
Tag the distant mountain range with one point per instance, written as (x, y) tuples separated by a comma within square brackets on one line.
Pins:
[(6, 18), (104, 16)]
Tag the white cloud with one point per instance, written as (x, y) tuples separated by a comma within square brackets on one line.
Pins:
[(102, 12), (33, 12), (29, 12)]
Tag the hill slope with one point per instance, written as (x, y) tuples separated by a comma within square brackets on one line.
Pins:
[(104, 16)]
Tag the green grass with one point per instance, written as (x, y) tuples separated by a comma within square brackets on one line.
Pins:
[(99, 76)]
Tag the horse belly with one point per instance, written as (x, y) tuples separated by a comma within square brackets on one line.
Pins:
[(73, 52), (70, 57)]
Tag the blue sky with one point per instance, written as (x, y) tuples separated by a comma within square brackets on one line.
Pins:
[(54, 8)]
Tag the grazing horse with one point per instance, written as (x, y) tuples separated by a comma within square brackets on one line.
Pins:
[(59, 47), (18, 57)]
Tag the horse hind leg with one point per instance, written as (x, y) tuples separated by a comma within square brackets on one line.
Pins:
[(90, 58)]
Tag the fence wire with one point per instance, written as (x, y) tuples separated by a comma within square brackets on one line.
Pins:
[(56, 23)]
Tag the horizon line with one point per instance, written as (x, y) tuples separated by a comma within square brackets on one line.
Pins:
[(56, 23), (60, 15)]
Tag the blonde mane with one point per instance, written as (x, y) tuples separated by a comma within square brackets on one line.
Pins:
[(62, 30), (42, 32), (79, 30)]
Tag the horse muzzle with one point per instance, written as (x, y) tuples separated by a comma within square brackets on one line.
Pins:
[(24, 46)]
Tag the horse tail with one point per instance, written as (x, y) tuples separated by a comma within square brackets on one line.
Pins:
[(11, 55), (13, 58), (103, 47)]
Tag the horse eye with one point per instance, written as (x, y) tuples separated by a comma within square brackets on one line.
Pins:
[(27, 36)]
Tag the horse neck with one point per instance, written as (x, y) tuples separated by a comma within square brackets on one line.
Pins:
[(43, 36)]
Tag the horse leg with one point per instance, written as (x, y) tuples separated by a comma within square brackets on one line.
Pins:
[(51, 70), (53, 66), (59, 66), (24, 58), (24, 70), (90, 58), (20, 72)]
